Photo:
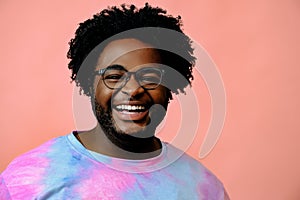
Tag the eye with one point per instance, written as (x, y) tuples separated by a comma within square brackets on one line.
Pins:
[(149, 76), (149, 79), (113, 77)]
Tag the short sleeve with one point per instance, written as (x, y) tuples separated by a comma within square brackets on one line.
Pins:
[(4, 193)]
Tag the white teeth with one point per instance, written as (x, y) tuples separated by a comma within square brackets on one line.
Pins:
[(130, 107)]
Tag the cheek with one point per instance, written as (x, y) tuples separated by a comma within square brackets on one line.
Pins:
[(160, 96), (103, 96)]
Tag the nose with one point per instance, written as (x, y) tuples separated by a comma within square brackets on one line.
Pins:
[(132, 87)]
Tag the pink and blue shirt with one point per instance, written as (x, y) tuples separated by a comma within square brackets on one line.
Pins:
[(64, 169)]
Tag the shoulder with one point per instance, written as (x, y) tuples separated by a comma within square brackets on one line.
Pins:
[(181, 160), (35, 156), (208, 184), (196, 168), (195, 173), (32, 163), (32, 173)]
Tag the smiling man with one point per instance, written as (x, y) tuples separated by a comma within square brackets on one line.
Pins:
[(130, 78), (128, 88)]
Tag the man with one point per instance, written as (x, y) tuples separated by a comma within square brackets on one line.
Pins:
[(130, 78)]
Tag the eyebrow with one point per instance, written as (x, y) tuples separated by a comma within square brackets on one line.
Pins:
[(113, 67), (118, 67)]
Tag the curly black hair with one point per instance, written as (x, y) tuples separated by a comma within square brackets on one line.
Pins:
[(114, 20)]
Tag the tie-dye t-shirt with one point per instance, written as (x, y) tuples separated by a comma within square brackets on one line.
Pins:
[(64, 169)]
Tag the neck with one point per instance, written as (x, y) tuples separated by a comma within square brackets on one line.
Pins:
[(130, 148)]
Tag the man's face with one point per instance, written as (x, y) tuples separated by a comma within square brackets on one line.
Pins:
[(131, 109)]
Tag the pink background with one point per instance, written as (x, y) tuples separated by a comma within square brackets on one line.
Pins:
[(255, 45)]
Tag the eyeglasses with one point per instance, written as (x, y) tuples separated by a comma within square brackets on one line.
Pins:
[(116, 77)]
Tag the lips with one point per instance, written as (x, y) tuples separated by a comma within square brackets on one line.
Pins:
[(132, 112), (131, 108)]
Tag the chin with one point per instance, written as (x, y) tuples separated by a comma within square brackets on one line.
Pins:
[(135, 129)]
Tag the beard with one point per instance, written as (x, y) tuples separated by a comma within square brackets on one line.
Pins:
[(142, 141)]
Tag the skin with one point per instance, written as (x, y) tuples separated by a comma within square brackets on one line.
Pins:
[(133, 55)]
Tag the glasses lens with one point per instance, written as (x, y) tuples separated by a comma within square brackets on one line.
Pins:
[(114, 78), (149, 78)]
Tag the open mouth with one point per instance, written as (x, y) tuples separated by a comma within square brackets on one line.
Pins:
[(130, 108), (131, 112)]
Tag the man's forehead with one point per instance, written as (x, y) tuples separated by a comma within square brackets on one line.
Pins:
[(118, 48)]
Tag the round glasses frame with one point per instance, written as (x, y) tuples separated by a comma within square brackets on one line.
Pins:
[(127, 75)]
